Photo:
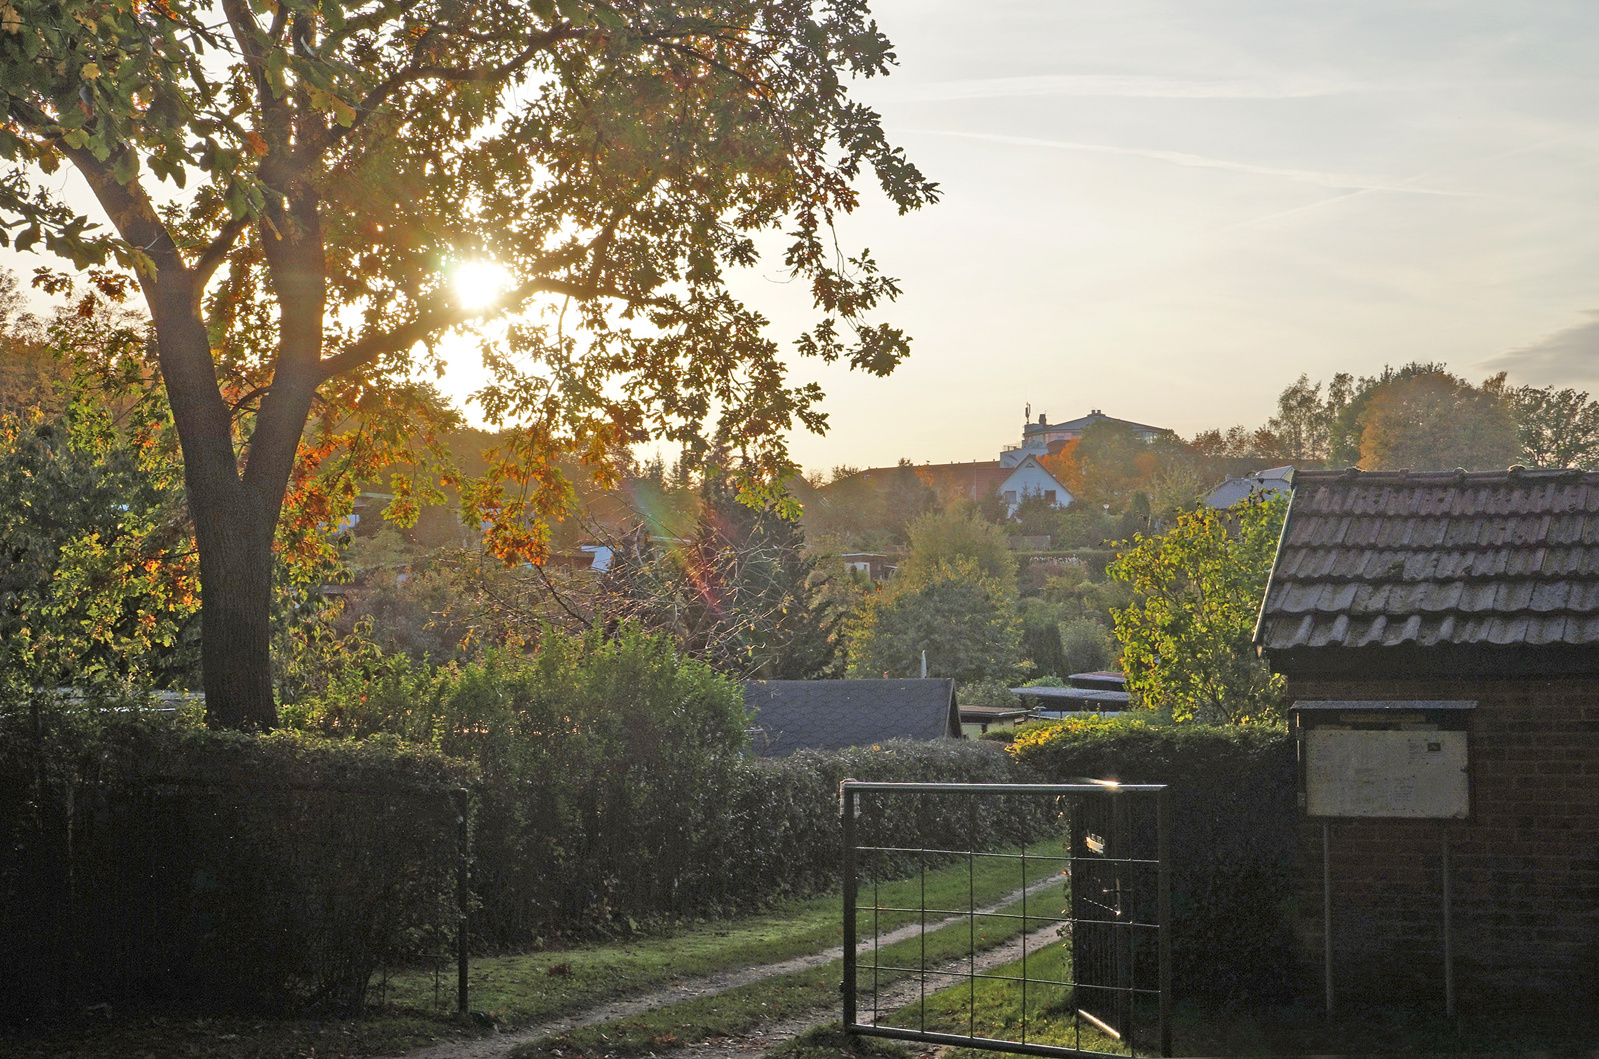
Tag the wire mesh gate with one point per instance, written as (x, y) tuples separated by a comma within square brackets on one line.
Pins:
[(1075, 876)]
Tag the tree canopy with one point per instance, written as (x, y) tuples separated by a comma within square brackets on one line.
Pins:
[(1185, 638), (298, 185)]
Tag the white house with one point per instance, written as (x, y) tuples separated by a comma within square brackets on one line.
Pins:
[(1028, 478)]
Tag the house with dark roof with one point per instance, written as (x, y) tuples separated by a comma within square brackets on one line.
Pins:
[(1459, 613), (979, 479), (1269, 483), (832, 714)]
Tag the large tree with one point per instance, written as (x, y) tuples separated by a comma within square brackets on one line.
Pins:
[(326, 164)]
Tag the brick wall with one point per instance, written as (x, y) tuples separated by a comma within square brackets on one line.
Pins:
[(1524, 867)]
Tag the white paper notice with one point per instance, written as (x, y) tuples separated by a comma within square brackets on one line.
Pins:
[(1386, 773)]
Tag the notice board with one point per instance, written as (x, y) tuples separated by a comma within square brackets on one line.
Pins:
[(1376, 772)]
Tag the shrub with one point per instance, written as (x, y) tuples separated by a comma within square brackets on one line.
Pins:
[(148, 862), (1233, 840), (1086, 646)]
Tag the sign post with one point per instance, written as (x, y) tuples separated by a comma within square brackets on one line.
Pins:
[(1395, 759)]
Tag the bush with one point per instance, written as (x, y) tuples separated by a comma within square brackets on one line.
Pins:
[(1233, 839), (786, 837), (148, 862), (1086, 646), (614, 789)]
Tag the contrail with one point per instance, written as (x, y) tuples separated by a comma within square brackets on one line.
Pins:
[(1130, 87), (1346, 181)]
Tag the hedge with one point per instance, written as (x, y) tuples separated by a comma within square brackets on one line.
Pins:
[(144, 863), (615, 789), (1233, 844)]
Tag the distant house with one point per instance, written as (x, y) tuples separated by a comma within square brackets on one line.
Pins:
[(1274, 481), (832, 714), (874, 566), (981, 479), (1043, 437), (1452, 618)]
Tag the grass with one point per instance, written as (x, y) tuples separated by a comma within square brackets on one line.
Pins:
[(523, 989), (994, 1009), (741, 1010)]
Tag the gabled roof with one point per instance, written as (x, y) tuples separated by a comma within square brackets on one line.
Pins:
[(1032, 461), (975, 480), (833, 714), (1271, 481), (1479, 571), (1082, 423)]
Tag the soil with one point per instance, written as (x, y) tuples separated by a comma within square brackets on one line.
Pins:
[(767, 1036)]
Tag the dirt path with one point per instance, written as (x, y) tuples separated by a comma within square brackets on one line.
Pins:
[(500, 1045)]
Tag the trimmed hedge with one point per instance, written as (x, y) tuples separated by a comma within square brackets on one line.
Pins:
[(614, 788), (1234, 842), (145, 863)]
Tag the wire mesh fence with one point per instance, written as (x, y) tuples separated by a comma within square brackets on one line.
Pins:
[(1059, 947), (211, 894)]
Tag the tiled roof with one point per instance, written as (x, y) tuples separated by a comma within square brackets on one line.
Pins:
[(832, 714), (1436, 560)]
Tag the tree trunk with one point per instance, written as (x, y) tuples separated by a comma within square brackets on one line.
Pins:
[(232, 526), (235, 617)]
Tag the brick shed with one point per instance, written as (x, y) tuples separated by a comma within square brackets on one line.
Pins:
[(1453, 588)]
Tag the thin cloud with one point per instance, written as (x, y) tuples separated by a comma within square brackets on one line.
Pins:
[(1130, 87), (1343, 181), (1568, 355)]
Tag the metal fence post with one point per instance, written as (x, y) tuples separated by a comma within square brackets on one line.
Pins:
[(846, 802), (1163, 887), (462, 899)]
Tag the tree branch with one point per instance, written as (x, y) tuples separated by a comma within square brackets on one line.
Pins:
[(212, 256), (365, 350)]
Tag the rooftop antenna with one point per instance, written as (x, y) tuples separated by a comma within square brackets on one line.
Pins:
[(1027, 416)]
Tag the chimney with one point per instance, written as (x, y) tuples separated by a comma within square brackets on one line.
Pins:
[(1042, 419)]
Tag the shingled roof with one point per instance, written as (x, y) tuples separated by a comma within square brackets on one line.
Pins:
[(1437, 571), (832, 714)]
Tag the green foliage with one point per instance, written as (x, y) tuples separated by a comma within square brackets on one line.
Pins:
[(1233, 834), (1557, 428), (147, 860), (866, 512), (97, 577), (1086, 646), (938, 539), (606, 764), (743, 595), (966, 623), (1436, 422), (1185, 638), (613, 788)]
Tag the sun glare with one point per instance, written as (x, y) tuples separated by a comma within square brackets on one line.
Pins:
[(479, 282)]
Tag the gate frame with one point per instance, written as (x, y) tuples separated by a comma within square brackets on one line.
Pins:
[(849, 791)]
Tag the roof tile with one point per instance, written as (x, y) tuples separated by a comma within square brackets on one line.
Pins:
[(1437, 558)]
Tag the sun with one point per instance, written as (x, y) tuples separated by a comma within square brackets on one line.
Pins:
[(479, 282)]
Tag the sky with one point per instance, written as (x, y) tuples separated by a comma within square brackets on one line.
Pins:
[(1169, 211)]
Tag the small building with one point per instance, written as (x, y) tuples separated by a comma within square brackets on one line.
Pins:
[(833, 714), (1272, 482), (976, 720), (1102, 692), (1397, 599), (873, 566)]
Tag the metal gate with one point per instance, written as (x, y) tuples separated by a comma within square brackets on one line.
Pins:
[(1095, 957)]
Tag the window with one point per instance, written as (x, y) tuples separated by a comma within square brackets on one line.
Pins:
[(1049, 494), (1010, 496)]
